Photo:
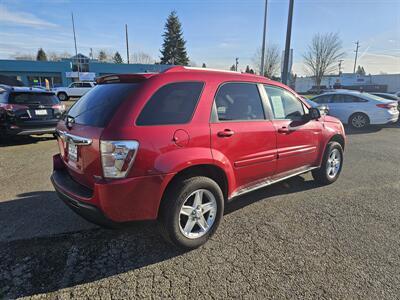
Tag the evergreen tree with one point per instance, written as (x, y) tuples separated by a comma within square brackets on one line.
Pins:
[(117, 58), (102, 56), (248, 69), (173, 48), (233, 68), (204, 65), (41, 55), (360, 70)]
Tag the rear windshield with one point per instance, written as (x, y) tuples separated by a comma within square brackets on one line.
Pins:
[(32, 98), (97, 107)]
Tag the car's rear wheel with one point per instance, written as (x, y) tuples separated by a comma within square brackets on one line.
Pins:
[(191, 211), (331, 165), (62, 96), (359, 120)]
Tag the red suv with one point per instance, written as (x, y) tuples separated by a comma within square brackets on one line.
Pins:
[(178, 145)]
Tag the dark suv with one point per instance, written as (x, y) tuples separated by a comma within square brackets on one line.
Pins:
[(178, 145), (26, 111)]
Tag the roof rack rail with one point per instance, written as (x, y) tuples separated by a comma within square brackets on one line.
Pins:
[(185, 68)]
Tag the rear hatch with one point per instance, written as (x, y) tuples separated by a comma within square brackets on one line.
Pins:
[(35, 109), (81, 131)]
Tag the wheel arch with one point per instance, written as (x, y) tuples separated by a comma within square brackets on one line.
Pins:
[(208, 170), (339, 138)]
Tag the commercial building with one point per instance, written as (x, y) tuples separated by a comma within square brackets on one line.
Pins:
[(65, 71), (382, 82)]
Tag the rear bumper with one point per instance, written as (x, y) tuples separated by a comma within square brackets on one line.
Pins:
[(385, 118), (110, 202), (28, 129)]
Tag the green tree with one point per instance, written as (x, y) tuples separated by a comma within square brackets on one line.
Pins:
[(41, 55), (102, 56), (173, 48), (204, 65), (117, 58), (360, 71)]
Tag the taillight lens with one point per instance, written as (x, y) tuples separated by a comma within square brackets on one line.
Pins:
[(12, 107), (386, 106), (60, 107), (117, 157)]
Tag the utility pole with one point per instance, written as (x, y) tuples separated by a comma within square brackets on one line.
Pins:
[(355, 59), (76, 49), (263, 40), (285, 74), (127, 45), (236, 63), (340, 66)]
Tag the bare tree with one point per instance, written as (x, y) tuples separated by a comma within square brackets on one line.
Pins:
[(24, 56), (322, 55), (271, 61), (55, 56), (141, 58)]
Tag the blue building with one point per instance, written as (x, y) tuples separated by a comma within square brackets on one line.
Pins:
[(62, 73)]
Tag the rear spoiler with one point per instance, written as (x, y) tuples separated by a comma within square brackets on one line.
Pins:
[(124, 78)]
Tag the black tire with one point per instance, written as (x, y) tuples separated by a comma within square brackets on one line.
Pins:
[(359, 121), (322, 174), (62, 96), (169, 216)]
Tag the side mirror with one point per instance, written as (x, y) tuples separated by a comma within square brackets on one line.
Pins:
[(314, 114)]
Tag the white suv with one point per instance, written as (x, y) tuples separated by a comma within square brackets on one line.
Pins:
[(75, 89)]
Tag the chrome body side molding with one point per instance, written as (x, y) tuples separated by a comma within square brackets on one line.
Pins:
[(269, 181), (77, 140)]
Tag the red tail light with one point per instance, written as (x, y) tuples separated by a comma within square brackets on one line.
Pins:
[(12, 107), (386, 106), (60, 107)]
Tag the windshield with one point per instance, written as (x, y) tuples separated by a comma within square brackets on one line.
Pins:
[(33, 98), (97, 106)]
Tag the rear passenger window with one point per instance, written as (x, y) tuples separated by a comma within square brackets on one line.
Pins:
[(239, 101), (172, 104)]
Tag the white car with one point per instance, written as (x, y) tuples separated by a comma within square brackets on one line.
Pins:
[(359, 109), (75, 89)]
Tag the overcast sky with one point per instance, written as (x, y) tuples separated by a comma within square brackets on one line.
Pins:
[(216, 31)]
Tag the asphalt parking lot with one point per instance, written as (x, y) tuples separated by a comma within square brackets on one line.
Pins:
[(292, 240)]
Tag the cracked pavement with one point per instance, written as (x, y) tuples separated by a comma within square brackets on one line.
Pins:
[(292, 240)]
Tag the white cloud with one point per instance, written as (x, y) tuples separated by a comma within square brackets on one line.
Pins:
[(22, 19)]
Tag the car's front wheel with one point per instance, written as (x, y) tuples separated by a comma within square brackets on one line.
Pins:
[(191, 211), (62, 96), (331, 165)]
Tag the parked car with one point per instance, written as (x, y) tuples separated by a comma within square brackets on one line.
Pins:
[(75, 89), (178, 145), (359, 109), (26, 111)]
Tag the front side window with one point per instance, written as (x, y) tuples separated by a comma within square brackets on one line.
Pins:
[(239, 101), (173, 103), (321, 99), (284, 105)]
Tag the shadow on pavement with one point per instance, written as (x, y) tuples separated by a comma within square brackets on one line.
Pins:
[(370, 129), (24, 140), (48, 263)]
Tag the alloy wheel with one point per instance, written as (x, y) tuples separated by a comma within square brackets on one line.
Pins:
[(333, 163), (197, 214)]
